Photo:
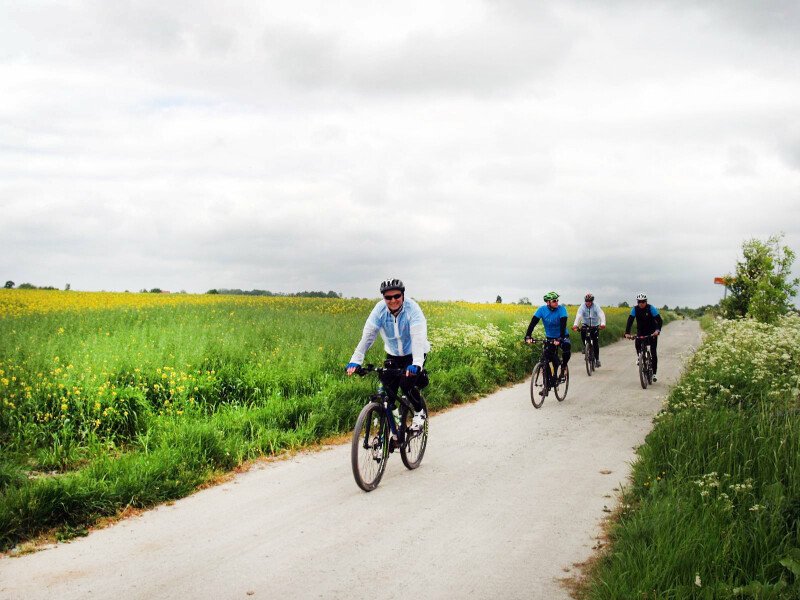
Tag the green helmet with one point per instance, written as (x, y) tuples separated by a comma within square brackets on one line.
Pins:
[(550, 296)]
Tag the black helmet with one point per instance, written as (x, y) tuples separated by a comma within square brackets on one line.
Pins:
[(589, 297), (392, 284)]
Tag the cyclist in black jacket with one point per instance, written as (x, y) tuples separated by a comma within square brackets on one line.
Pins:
[(648, 322)]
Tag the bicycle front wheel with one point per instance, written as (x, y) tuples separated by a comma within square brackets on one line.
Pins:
[(589, 359), (538, 388), (370, 448), (413, 449), (561, 388), (643, 370)]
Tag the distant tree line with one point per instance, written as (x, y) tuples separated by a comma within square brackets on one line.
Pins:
[(304, 294), (29, 286)]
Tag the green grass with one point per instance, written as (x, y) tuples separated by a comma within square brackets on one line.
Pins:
[(106, 409), (713, 510)]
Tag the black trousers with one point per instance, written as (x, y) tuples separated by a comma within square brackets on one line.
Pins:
[(593, 333), (551, 352), (409, 385), (653, 347)]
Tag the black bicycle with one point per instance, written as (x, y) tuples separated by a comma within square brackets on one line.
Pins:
[(590, 358), (645, 360), (380, 430), (545, 376)]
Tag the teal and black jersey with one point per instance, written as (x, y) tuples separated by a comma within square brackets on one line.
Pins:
[(555, 321), (647, 320)]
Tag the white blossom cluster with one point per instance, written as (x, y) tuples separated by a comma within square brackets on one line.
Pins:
[(486, 339), (741, 362)]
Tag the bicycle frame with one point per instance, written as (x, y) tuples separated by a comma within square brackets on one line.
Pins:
[(387, 398)]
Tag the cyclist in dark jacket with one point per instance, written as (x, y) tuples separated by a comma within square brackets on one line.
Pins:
[(648, 322)]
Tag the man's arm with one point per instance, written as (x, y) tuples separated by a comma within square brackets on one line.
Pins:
[(578, 317), (563, 321), (418, 327), (534, 323), (628, 325)]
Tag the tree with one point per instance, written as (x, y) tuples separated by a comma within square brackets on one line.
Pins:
[(624, 304), (499, 300), (9, 285), (762, 287), (67, 287), (524, 300), (214, 291)]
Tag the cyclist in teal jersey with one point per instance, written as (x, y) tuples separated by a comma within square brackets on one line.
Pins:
[(554, 318)]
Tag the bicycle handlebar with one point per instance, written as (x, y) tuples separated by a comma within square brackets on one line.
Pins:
[(366, 369)]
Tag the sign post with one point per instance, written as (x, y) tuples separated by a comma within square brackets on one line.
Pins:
[(722, 281)]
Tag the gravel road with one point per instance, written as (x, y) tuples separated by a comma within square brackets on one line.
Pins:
[(507, 499)]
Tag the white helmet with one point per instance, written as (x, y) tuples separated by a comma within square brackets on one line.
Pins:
[(641, 296)]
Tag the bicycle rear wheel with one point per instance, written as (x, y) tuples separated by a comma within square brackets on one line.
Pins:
[(643, 370), (538, 386), (413, 449), (561, 388), (370, 448)]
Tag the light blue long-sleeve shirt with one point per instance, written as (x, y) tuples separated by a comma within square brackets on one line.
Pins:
[(403, 334), (592, 316)]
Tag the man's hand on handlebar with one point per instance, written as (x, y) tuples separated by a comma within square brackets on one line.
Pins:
[(352, 368)]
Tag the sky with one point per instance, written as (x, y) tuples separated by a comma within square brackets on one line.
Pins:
[(470, 148)]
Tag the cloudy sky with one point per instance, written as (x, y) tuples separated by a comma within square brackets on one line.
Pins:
[(471, 148)]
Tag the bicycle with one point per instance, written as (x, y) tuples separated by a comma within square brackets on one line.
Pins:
[(589, 353), (645, 360), (544, 377), (378, 434)]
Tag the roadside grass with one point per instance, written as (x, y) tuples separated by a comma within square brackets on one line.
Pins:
[(713, 509), (108, 405)]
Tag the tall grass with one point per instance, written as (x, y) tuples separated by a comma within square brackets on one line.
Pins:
[(714, 507), (110, 405)]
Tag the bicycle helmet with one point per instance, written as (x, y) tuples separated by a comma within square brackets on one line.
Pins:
[(550, 296), (641, 296), (392, 284), (588, 297)]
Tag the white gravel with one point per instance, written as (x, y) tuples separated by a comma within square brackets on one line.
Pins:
[(507, 499)]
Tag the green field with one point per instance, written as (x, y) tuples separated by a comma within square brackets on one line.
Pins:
[(110, 401)]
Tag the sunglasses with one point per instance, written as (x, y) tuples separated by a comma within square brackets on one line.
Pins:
[(392, 296), (642, 301)]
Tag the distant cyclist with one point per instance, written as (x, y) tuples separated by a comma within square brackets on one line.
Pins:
[(648, 322), (593, 317), (404, 330), (554, 318)]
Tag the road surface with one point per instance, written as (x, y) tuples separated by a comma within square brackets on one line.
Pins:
[(507, 499)]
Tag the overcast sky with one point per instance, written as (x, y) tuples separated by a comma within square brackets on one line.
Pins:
[(470, 148)]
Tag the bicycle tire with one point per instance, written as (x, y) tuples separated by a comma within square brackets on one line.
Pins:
[(649, 368), (369, 462), (561, 392), (413, 448), (537, 386), (588, 358), (643, 370)]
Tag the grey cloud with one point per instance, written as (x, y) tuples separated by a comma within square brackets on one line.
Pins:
[(483, 60)]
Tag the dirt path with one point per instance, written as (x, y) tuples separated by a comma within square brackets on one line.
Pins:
[(506, 500)]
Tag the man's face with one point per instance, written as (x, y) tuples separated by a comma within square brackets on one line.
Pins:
[(393, 299), (552, 303), (589, 303), (642, 303)]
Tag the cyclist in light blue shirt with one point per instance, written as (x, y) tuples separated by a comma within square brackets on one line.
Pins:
[(404, 330), (554, 318)]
